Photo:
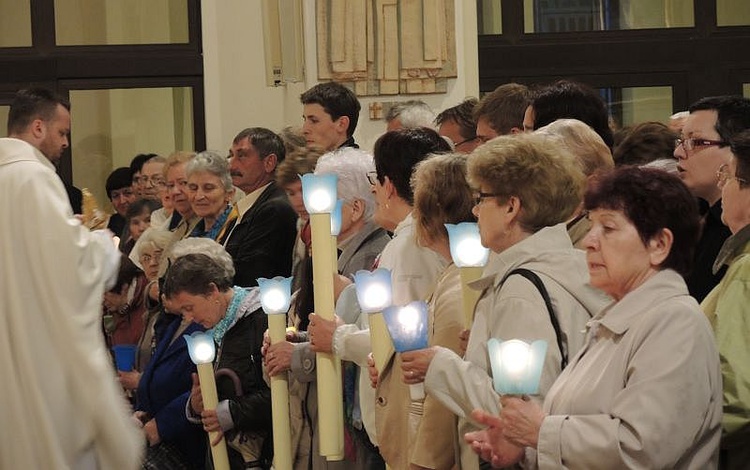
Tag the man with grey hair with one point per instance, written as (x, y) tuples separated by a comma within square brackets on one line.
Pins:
[(262, 240), (408, 114)]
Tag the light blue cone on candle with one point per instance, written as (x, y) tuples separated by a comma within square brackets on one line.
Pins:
[(407, 326), (516, 365), (275, 294)]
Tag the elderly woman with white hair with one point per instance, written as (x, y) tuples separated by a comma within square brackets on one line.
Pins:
[(147, 255), (361, 239), (210, 192), (360, 242)]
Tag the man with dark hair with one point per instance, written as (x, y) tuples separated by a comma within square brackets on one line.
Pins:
[(458, 124), (702, 148), (262, 239), (572, 100), (330, 113), (120, 192), (31, 108), (501, 112), (42, 119), (54, 272)]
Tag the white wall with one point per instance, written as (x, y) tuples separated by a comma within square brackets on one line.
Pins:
[(236, 93)]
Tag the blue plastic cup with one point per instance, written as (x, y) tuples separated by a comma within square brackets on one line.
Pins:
[(124, 356)]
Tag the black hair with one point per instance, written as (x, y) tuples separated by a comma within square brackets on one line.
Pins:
[(119, 178), (569, 99), (396, 153), (139, 205), (136, 164), (733, 114), (30, 104), (337, 100)]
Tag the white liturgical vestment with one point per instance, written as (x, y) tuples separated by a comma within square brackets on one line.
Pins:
[(62, 406)]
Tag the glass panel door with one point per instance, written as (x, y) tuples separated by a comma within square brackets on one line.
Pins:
[(4, 110), (109, 127), (633, 105), (732, 12), (97, 22)]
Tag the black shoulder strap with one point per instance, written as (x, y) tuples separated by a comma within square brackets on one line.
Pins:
[(534, 279)]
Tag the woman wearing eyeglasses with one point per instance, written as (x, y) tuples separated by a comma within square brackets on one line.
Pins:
[(726, 305), (527, 188)]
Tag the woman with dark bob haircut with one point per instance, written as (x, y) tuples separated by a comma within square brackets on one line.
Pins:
[(645, 391)]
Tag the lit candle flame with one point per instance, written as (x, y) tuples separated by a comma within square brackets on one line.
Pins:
[(376, 296), (471, 251), (408, 318), (274, 299), (203, 352), (320, 200)]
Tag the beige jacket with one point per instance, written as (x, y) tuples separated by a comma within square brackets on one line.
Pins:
[(422, 432), (515, 309), (414, 270), (644, 393)]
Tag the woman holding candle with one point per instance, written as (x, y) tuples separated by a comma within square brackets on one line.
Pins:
[(441, 196), (645, 391), (199, 287), (526, 190), (298, 162), (726, 305)]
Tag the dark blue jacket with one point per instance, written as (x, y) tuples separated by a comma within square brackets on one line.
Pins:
[(164, 389)]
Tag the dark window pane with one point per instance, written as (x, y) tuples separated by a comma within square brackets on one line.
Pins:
[(557, 16)]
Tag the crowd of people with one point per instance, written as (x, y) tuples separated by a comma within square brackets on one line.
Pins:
[(624, 249)]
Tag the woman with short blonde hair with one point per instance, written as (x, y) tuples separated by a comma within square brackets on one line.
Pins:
[(441, 196), (545, 179)]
